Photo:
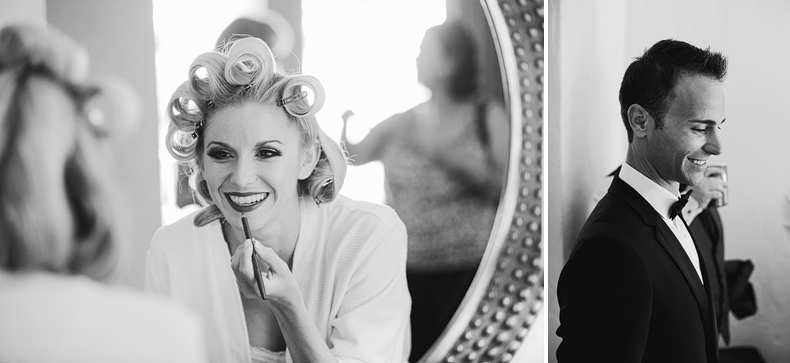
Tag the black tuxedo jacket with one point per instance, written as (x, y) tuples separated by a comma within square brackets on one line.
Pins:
[(629, 292), (708, 234)]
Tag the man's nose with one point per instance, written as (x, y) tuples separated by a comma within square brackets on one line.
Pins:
[(713, 143)]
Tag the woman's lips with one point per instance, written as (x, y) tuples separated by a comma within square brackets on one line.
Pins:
[(245, 202)]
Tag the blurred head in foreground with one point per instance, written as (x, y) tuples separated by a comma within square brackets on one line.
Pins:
[(56, 213)]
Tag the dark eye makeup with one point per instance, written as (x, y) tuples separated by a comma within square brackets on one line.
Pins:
[(218, 153), (268, 153)]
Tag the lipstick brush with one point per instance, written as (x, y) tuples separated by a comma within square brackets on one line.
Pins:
[(256, 269)]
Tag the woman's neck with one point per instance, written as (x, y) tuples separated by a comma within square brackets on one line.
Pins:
[(442, 109), (442, 98)]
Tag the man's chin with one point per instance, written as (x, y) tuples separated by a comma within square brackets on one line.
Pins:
[(692, 179)]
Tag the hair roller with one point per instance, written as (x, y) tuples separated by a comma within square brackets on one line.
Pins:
[(183, 110), (113, 108), (213, 63), (293, 88), (180, 144), (249, 61)]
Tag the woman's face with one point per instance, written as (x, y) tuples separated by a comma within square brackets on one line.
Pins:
[(252, 161)]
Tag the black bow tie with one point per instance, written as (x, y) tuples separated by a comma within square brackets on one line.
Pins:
[(677, 207)]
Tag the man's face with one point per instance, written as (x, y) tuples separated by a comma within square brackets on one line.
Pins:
[(679, 151)]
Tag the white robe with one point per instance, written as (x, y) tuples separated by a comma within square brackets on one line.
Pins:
[(54, 318), (350, 265)]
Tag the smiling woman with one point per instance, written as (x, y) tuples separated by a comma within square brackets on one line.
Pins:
[(236, 159), (333, 282), (364, 53)]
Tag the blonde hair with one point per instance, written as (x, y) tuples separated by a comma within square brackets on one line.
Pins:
[(33, 236), (245, 71)]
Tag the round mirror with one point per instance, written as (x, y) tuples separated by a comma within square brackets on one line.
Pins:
[(365, 53), (507, 293)]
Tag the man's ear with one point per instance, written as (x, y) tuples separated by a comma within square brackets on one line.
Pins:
[(308, 160), (639, 120)]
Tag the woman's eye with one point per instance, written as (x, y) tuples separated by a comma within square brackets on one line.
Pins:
[(218, 154), (267, 153)]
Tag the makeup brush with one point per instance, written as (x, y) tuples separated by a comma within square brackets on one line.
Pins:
[(255, 268)]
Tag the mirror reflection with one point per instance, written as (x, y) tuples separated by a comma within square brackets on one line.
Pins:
[(419, 109), (444, 163)]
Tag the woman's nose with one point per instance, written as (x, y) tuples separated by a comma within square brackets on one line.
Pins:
[(244, 172)]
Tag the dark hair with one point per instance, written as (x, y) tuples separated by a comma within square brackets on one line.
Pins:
[(247, 26), (458, 44), (650, 78)]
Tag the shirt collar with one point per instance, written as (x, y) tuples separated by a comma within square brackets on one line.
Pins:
[(658, 197)]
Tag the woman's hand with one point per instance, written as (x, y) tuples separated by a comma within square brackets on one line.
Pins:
[(277, 280), (300, 334)]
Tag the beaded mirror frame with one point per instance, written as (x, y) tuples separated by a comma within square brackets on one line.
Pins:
[(507, 292)]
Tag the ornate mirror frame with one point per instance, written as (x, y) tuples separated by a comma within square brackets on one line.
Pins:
[(507, 292)]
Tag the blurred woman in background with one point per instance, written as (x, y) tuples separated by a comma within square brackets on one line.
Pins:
[(444, 163)]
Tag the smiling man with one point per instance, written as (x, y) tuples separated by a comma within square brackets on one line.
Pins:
[(634, 288)]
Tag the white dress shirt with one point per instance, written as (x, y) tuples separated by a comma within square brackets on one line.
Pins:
[(690, 211), (661, 200)]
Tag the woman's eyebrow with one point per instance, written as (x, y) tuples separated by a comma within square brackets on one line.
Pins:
[(257, 145), (220, 143), (264, 143)]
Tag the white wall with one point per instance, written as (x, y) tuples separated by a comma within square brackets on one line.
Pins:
[(554, 187), (31, 11), (591, 137)]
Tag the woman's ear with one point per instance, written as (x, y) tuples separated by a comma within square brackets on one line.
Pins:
[(309, 158), (639, 120)]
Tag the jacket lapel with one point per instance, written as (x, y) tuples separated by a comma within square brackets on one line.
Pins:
[(665, 237), (715, 226)]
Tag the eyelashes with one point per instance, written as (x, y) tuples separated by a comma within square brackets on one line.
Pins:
[(268, 153), (221, 154), (217, 153)]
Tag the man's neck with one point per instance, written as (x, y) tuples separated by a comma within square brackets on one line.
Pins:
[(638, 160)]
